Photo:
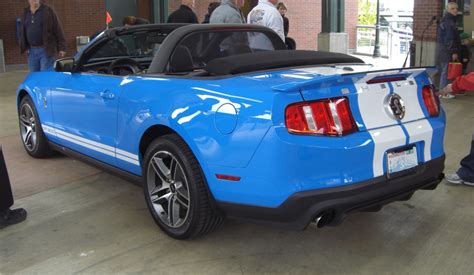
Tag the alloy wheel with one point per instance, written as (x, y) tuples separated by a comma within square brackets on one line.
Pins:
[(28, 127), (168, 189)]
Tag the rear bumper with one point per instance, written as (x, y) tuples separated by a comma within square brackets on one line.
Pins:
[(301, 208)]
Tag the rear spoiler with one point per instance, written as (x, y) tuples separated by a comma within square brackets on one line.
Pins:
[(369, 77)]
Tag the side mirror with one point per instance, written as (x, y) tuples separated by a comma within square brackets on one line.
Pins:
[(65, 65)]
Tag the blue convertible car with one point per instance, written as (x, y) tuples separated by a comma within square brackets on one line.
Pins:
[(222, 120)]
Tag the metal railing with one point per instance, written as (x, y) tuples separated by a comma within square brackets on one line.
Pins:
[(393, 42)]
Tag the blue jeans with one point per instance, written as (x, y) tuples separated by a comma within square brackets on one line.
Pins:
[(443, 80), (466, 172), (38, 60)]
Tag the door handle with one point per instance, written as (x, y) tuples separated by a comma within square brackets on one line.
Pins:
[(107, 94)]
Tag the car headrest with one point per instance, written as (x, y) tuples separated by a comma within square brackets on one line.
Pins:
[(181, 60)]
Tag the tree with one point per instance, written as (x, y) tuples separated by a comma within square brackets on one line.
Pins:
[(367, 12)]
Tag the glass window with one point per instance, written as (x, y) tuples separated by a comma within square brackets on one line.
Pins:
[(198, 49), (137, 45)]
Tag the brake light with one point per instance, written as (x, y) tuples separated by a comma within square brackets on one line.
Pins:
[(431, 101), (385, 79), (330, 117)]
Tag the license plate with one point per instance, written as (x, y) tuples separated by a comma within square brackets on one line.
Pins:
[(402, 160)]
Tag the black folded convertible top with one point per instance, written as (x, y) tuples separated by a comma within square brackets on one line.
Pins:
[(250, 62)]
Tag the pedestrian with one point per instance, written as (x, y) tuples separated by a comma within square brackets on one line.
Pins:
[(228, 12), (465, 174), (41, 36), (464, 53), (7, 215), (133, 21), (265, 14), (183, 14), (449, 44), (281, 7), (210, 9)]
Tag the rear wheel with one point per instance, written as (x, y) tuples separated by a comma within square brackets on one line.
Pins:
[(31, 132), (176, 191)]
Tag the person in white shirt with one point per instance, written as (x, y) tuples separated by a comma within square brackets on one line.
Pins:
[(266, 14)]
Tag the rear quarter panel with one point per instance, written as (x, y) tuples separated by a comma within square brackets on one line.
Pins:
[(223, 121)]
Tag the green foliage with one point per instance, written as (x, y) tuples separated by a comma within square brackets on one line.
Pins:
[(367, 12)]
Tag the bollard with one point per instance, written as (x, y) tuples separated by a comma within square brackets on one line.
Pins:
[(2, 58)]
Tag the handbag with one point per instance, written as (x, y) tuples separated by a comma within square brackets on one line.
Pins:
[(454, 70)]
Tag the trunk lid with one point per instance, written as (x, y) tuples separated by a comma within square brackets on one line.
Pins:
[(376, 98)]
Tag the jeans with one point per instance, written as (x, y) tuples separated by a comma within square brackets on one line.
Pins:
[(38, 60), (466, 172), (443, 80)]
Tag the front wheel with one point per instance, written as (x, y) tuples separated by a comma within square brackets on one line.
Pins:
[(31, 132), (175, 190)]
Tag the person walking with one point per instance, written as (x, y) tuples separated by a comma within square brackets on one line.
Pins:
[(41, 36), (265, 14), (449, 43), (465, 174), (8, 216), (228, 12), (183, 14), (210, 9)]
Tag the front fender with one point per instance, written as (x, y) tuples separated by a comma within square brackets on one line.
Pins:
[(34, 86)]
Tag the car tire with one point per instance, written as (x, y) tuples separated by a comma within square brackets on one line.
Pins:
[(176, 191), (31, 132)]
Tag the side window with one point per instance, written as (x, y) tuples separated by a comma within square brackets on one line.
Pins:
[(113, 48), (138, 45)]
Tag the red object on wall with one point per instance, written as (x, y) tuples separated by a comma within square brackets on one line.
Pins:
[(454, 70)]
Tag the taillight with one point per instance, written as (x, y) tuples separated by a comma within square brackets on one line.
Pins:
[(431, 101), (330, 117)]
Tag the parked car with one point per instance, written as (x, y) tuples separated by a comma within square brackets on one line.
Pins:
[(222, 120)]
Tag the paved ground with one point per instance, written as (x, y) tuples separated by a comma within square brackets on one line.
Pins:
[(82, 220)]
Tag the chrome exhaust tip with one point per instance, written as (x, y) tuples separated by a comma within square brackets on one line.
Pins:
[(323, 219)]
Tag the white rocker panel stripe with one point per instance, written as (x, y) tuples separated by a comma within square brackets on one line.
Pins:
[(92, 145)]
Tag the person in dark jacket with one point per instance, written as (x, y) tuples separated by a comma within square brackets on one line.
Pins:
[(449, 43), (183, 15), (8, 216), (210, 9), (281, 7), (41, 36), (464, 53)]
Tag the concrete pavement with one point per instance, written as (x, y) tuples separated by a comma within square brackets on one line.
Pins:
[(82, 220)]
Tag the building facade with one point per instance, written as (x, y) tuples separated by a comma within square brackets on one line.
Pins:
[(86, 17), (304, 16), (425, 33)]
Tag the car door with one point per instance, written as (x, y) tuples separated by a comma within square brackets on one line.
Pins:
[(85, 114), (85, 102)]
